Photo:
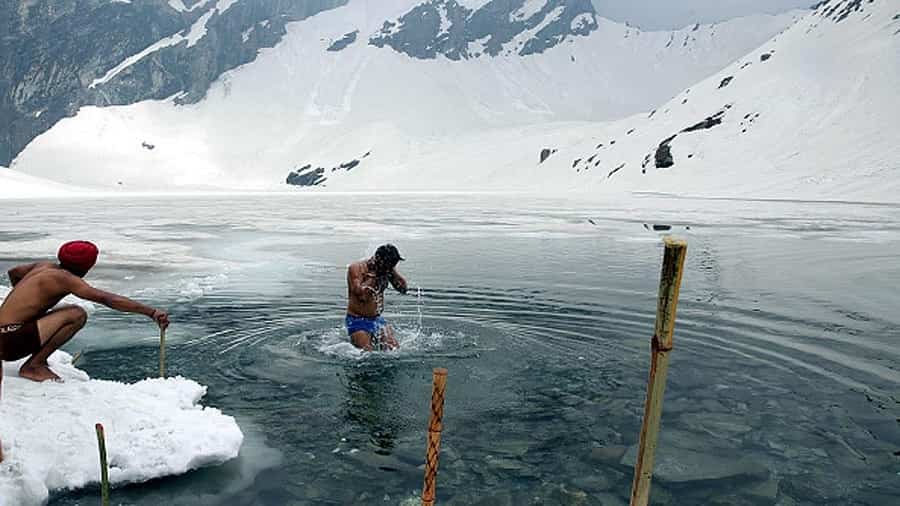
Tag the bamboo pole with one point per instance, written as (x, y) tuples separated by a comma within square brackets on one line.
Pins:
[(104, 468), (76, 358), (435, 426), (162, 353), (661, 345)]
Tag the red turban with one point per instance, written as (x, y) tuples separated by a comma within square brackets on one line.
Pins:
[(78, 256)]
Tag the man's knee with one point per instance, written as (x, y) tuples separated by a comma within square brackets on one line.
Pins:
[(78, 316)]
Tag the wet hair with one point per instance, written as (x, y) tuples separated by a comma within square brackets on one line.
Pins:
[(388, 256)]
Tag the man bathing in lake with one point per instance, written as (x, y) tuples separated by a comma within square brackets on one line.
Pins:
[(30, 326), (366, 282)]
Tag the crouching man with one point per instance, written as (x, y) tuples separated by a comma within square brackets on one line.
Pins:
[(30, 326)]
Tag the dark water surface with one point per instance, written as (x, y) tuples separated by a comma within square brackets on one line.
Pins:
[(784, 385)]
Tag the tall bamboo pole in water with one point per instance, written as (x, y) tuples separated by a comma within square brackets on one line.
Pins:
[(434, 437), (669, 287), (162, 353), (104, 468)]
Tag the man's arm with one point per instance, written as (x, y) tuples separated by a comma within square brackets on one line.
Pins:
[(398, 282), (356, 279), (82, 290)]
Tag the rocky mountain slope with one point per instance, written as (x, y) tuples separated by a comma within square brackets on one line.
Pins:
[(59, 55), (383, 84)]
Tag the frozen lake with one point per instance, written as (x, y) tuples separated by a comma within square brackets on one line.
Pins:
[(784, 385)]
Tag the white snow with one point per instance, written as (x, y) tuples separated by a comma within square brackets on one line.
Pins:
[(154, 428), (521, 39), (14, 184), (179, 6), (529, 8), (582, 20), (196, 33), (198, 29), (224, 5), (298, 104), (445, 20)]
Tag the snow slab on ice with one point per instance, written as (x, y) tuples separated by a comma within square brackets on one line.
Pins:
[(154, 428)]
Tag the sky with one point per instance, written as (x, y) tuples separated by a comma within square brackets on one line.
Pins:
[(667, 14)]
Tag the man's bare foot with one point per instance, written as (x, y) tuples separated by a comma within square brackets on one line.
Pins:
[(38, 373)]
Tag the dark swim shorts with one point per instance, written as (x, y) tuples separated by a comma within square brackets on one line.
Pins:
[(371, 325), (19, 340)]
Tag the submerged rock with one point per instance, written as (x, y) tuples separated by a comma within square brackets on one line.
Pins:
[(679, 465), (608, 453)]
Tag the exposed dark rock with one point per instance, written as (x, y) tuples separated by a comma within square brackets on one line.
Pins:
[(617, 169), (629, 132), (306, 176), (765, 56), (545, 154), (690, 156), (148, 146), (652, 113), (725, 82), (367, 154), (715, 119), (599, 146), (663, 158), (344, 42), (746, 65), (577, 160), (612, 142), (349, 165), (445, 27)]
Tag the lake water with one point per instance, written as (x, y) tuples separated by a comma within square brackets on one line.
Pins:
[(784, 385)]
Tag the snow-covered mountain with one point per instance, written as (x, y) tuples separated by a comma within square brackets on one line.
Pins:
[(59, 55), (369, 93), (812, 114)]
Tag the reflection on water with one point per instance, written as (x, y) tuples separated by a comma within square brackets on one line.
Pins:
[(370, 392), (783, 386)]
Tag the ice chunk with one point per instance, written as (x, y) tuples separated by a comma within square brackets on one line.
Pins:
[(154, 428)]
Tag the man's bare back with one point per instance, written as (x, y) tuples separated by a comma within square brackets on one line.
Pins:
[(36, 293)]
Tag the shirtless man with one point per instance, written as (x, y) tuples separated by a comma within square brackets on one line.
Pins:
[(29, 325), (366, 283)]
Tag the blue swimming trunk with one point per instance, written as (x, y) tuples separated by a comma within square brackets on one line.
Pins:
[(371, 325)]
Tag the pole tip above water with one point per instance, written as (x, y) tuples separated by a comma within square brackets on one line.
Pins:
[(673, 242)]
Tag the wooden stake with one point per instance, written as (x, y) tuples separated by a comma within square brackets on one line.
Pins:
[(434, 437), (76, 358), (104, 469), (669, 287), (162, 353)]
